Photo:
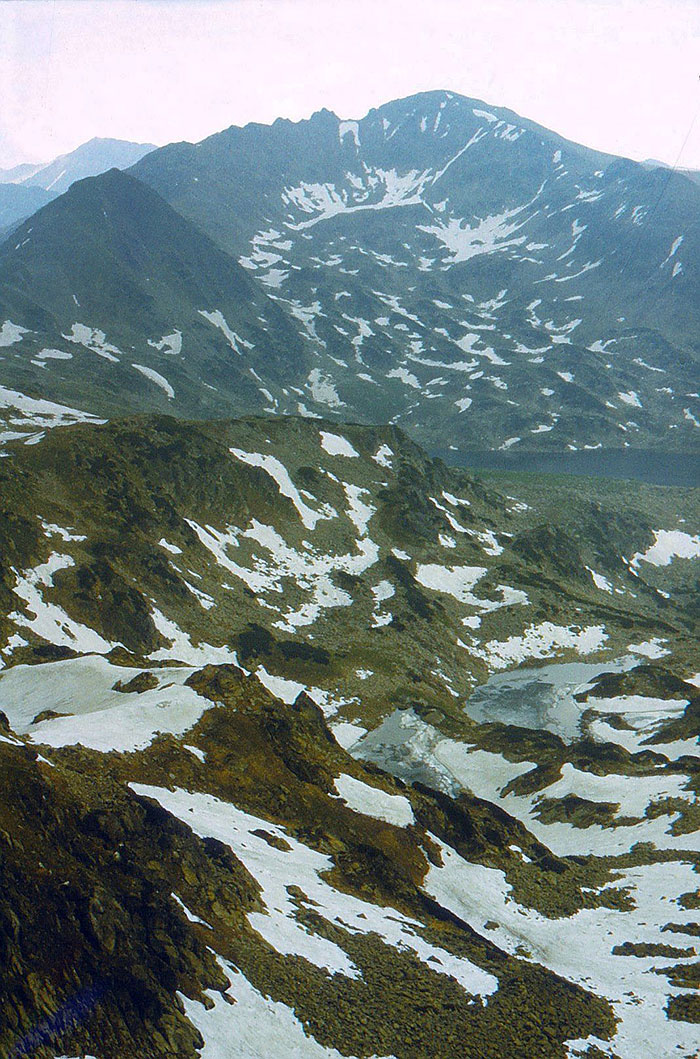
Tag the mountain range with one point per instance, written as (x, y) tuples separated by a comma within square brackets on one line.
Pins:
[(446, 266)]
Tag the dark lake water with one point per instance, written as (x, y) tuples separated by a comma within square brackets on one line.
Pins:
[(656, 468)]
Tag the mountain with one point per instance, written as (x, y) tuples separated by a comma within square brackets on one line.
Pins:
[(312, 744), (691, 174), (90, 159), (18, 201), (111, 250), (24, 188), (17, 174), (453, 269), (463, 271), (269, 769)]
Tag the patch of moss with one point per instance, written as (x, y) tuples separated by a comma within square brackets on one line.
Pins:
[(684, 1007), (139, 684), (643, 948), (579, 812)]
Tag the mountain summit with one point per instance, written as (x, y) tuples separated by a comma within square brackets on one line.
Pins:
[(90, 159)]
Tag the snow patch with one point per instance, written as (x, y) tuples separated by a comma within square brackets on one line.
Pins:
[(362, 798), (336, 445)]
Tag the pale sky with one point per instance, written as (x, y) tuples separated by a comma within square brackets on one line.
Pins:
[(618, 75)]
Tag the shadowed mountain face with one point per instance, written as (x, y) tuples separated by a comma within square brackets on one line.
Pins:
[(111, 250), (440, 264), (18, 201)]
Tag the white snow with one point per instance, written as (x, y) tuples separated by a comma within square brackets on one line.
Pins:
[(54, 354), (11, 333), (324, 201), (262, 1028), (309, 570), (335, 445), (97, 716), (199, 754), (38, 412), (405, 376), (649, 648), (169, 344), (323, 389), (52, 530), (669, 545), (172, 548), (349, 127), (50, 621), (362, 798), (94, 340), (599, 581), (181, 646), (485, 114), (456, 581), (286, 690), (383, 456), (157, 378), (272, 466), (541, 641), (347, 733), (383, 591), (218, 320), (490, 235), (359, 512), (566, 945), (276, 870)]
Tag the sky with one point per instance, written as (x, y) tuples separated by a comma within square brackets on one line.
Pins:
[(618, 75)]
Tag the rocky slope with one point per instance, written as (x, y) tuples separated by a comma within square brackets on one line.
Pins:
[(269, 770)]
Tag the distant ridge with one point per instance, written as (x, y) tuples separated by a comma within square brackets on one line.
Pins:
[(45, 181)]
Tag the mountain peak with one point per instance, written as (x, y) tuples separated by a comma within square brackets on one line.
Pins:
[(88, 159)]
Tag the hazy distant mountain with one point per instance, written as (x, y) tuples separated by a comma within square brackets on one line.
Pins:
[(653, 163), (19, 173), (90, 159), (18, 201), (45, 181)]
